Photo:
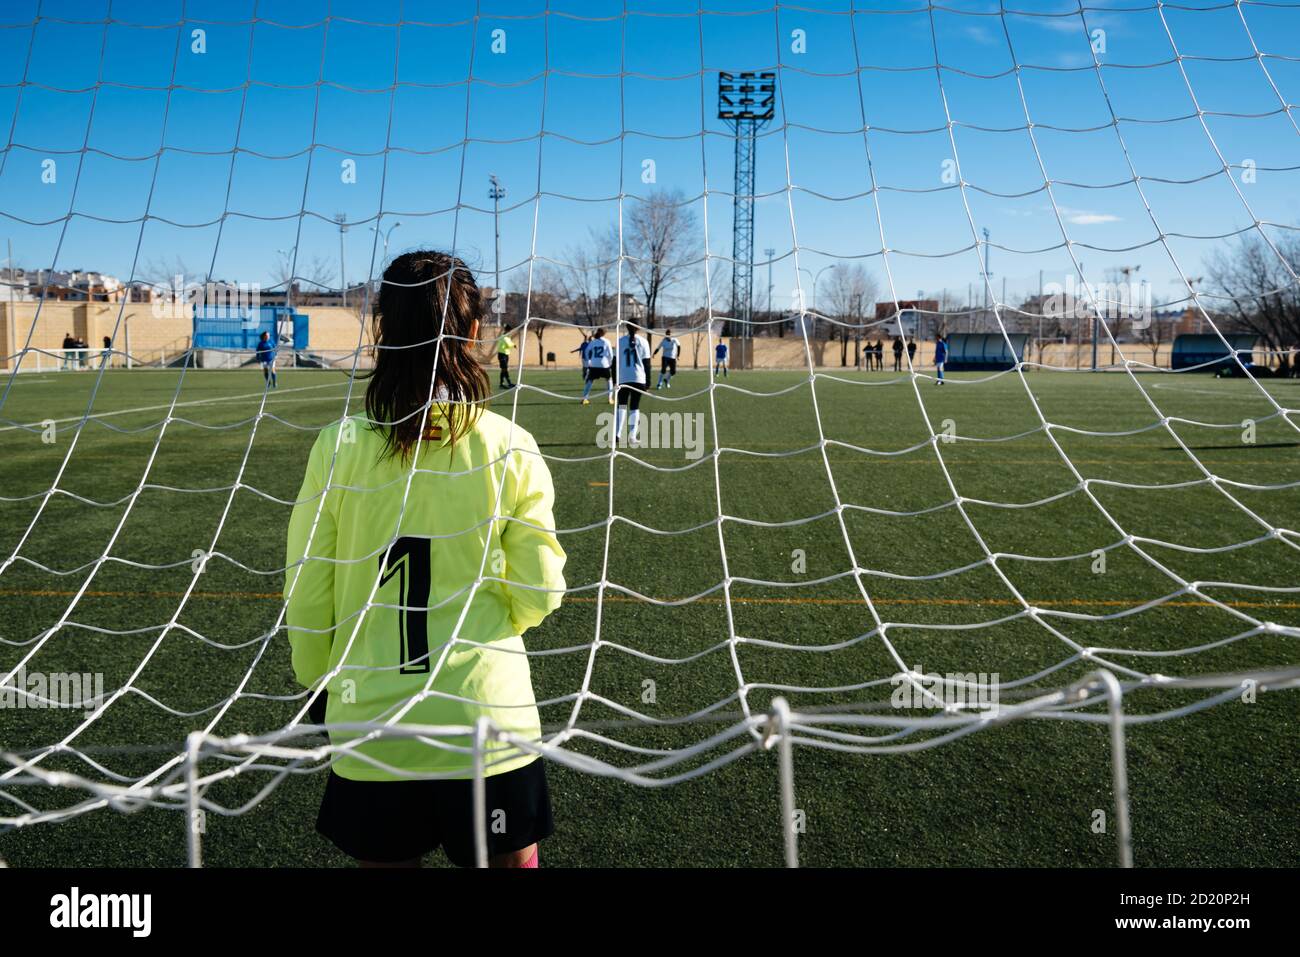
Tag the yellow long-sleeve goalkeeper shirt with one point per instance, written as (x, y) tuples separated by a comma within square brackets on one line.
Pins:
[(446, 537)]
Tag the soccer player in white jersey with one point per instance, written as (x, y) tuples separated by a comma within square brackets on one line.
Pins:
[(668, 364), (600, 358), (633, 381)]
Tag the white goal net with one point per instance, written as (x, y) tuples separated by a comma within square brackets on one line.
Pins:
[(1095, 202)]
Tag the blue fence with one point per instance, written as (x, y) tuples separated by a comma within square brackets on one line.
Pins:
[(1210, 353), (234, 328)]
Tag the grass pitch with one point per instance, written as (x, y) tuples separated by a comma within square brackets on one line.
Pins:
[(1215, 788)]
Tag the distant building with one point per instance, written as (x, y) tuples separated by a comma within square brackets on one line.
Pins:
[(74, 285), (16, 285), (304, 296)]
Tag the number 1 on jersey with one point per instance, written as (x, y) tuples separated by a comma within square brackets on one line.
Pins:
[(408, 559)]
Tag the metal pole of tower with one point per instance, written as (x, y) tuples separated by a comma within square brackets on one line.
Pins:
[(769, 253), (987, 276), (496, 193), (342, 220), (1040, 317), (747, 103)]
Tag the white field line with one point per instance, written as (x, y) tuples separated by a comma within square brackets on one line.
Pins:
[(1217, 393), (156, 408)]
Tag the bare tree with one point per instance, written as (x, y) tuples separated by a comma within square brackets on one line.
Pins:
[(167, 277), (1262, 294), (316, 272), (659, 240), (544, 303), (589, 278), (1154, 334), (850, 293)]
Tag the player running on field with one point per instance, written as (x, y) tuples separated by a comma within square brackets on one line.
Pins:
[(633, 381), (720, 359), (600, 358), (266, 358), (582, 354), (668, 364), (505, 346), (387, 541)]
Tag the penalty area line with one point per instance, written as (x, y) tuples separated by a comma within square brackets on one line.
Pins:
[(178, 405)]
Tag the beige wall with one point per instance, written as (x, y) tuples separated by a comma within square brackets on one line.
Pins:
[(334, 333), (89, 321)]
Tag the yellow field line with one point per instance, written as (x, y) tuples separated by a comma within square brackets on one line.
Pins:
[(708, 599)]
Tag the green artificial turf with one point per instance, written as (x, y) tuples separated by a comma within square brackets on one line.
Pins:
[(1218, 787)]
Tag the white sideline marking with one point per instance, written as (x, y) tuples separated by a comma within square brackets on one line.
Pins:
[(1218, 393), (177, 405)]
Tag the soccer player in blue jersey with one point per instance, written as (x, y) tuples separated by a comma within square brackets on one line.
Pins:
[(940, 355), (266, 358), (582, 351), (720, 359)]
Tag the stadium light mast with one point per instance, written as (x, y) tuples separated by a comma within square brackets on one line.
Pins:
[(746, 103), (988, 276), (496, 193), (1192, 282), (342, 220), (9, 245), (370, 283), (386, 235)]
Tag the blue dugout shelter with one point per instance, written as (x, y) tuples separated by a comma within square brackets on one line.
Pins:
[(1207, 353), (985, 352), (238, 328)]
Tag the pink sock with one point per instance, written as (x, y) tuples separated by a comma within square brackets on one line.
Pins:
[(532, 861)]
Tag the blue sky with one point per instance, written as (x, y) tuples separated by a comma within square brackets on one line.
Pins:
[(612, 90)]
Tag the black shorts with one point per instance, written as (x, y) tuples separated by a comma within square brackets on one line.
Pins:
[(503, 360), (596, 372), (392, 821), (629, 394), (668, 365)]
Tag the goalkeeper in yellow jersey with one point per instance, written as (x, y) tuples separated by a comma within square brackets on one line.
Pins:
[(379, 577)]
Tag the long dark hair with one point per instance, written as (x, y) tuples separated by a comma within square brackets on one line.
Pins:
[(427, 309)]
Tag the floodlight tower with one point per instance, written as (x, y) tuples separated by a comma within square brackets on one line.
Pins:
[(496, 193), (747, 103), (342, 220)]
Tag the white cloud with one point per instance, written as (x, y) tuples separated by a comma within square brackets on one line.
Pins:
[(980, 34), (1076, 217), (1083, 217)]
